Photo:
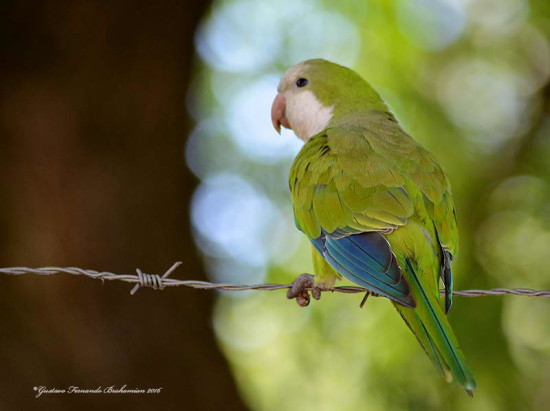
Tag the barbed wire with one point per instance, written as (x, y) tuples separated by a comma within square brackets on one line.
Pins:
[(159, 282)]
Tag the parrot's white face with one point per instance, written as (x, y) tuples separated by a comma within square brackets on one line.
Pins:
[(296, 107)]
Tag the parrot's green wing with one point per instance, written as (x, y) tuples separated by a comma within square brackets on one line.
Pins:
[(347, 180), (339, 183), (438, 201)]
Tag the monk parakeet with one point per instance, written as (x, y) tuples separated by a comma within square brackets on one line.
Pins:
[(376, 205)]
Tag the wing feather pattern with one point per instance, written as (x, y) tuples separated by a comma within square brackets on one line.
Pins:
[(346, 195)]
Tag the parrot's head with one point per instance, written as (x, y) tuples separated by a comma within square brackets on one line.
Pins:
[(314, 92)]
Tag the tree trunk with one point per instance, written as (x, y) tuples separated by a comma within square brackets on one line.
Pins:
[(93, 123)]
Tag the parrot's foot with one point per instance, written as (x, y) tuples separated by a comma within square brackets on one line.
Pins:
[(364, 300), (299, 290)]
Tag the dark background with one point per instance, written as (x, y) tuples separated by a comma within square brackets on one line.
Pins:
[(92, 130)]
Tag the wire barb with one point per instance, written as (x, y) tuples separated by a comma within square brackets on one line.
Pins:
[(157, 282), (153, 280)]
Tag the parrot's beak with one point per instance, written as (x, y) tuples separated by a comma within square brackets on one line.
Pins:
[(278, 115)]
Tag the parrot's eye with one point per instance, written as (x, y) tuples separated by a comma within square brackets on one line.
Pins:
[(301, 82)]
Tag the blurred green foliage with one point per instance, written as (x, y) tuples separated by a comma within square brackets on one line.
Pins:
[(467, 79)]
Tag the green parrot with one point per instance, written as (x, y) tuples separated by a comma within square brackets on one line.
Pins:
[(376, 206)]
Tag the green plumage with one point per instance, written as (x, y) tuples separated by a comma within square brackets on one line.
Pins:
[(363, 173)]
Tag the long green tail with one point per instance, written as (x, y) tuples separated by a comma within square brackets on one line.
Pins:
[(429, 324)]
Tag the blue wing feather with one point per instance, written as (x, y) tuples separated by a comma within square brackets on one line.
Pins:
[(342, 252), (367, 260)]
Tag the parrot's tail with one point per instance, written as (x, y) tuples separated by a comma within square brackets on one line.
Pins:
[(429, 324)]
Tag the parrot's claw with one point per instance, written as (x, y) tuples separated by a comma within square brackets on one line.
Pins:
[(364, 300), (299, 290)]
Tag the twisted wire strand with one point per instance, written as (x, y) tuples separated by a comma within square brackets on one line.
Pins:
[(158, 282)]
